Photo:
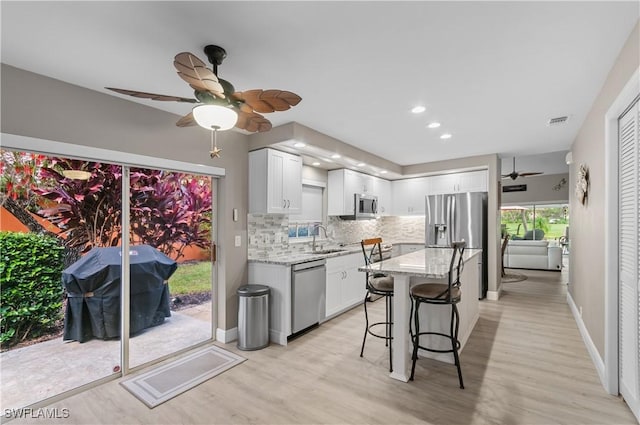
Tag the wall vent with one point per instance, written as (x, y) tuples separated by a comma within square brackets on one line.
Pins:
[(557, 120)]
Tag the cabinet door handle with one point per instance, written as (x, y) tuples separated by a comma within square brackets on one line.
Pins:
[(284, 203), (288, 203)]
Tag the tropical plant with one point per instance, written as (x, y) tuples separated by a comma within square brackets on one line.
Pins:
[(19, 173), (87, 211), (30, 285), (169, 210)]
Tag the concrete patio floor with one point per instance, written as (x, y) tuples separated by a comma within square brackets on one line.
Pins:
[(34, 373)]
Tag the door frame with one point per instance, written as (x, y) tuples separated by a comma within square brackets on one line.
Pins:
[(127, 160), (611, 240)]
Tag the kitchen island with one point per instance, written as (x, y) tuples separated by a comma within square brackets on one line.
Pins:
[(428, 265)]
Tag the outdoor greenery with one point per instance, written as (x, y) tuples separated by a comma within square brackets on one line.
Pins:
[(191, 278), (30, 286), (551, 220), (168, 211)]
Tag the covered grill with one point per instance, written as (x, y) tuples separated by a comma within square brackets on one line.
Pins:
[(93, 289)]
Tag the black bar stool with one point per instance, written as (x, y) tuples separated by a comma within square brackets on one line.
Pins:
[(440, 293), (377, 284)]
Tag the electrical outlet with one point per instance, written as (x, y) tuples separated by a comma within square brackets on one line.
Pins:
[(580, 311), (238, 241)]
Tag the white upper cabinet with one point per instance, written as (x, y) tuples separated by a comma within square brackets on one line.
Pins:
[(472, 181), (382, 189), (408, 196), (275, 182), (344, 184)]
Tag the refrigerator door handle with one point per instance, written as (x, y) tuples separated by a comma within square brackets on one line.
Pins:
[(451, 207)]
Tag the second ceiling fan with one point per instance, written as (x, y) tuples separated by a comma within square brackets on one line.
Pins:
[(515, 174)]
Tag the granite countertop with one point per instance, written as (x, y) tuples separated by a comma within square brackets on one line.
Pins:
[(430, 263), (303, 257)]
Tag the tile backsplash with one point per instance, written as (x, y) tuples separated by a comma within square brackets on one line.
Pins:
[(268, 234), (403, 229)]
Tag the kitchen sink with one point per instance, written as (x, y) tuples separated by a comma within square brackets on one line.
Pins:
[(327, 251)]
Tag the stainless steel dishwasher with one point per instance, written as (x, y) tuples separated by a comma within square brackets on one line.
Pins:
[(308, 288)]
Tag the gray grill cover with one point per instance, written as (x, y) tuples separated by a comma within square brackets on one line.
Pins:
[(93, 289)]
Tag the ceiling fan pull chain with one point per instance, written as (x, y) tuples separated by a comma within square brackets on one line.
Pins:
[(214, 152)]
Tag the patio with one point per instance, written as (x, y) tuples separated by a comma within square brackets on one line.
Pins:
[(43, 370)]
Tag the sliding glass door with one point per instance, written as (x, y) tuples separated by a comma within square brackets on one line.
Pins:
[(60, 286), (89, 291), (171, 271)]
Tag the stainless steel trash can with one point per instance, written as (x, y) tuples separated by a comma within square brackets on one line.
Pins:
[(253, 317)]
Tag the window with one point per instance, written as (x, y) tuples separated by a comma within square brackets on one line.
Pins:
[(304, 225), (546, 222)]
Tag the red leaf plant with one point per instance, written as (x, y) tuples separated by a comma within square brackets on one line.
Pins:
[(169, 210)]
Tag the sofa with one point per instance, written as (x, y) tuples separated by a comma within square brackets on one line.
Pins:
[(532, 254)]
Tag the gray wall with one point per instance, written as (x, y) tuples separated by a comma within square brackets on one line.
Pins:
[(41, 107), (540, 190), (588, 222)]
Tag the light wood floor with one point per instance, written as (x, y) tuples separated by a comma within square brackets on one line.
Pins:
[(525, 363)]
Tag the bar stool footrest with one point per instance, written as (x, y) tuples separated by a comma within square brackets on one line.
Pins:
[(370, 332), (433, 350)]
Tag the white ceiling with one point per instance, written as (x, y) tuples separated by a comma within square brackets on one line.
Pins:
[(492, 73)]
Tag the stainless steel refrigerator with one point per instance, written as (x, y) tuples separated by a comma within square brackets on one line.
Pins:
[(457, 217)]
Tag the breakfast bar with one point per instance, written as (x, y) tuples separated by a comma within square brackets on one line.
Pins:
[(428, 265)]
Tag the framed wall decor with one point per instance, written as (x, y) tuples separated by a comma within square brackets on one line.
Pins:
[(582, 184)]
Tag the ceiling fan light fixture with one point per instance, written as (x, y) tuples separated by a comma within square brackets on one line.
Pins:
[(76, 174), (215, 117)]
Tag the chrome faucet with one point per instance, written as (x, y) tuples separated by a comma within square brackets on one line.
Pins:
[(313, 243)]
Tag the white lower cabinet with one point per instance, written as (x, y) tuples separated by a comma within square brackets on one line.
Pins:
[(333, 294), (278, 278), (345, 284)]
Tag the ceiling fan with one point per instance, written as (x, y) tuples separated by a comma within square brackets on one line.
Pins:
[(211, 90), (514, 174)]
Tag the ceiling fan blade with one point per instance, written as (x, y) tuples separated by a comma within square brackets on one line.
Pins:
[(152, 96), (186, 121), (195, 72), (530, 174), (265, 101), (252, 122)]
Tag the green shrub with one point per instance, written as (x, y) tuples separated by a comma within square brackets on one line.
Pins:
[(30, 285)]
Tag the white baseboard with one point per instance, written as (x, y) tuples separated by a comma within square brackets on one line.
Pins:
[(588, 342), (226, 336), (493, 295)]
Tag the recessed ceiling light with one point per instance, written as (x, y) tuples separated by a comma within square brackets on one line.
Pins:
[(361, 164), (434, 125), (418, 109), (299, 145), (315, 164), (383, 172), (446, 136), (326, 160), (335, 156)]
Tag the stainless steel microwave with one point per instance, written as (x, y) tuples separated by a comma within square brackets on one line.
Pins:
[(366, 206)]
